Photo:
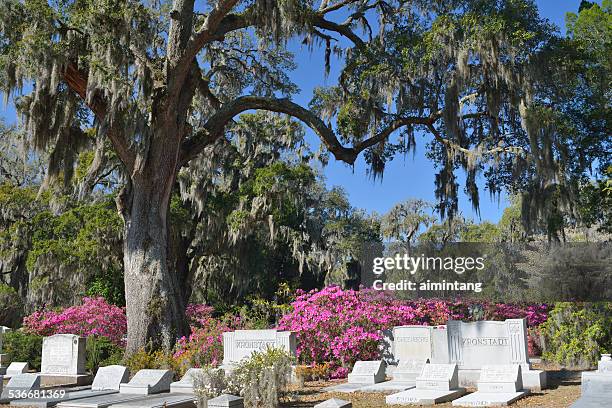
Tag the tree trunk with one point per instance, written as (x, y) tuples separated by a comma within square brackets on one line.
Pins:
[(154, 302)]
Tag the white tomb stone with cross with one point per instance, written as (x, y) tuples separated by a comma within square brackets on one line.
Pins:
[(436, 384)]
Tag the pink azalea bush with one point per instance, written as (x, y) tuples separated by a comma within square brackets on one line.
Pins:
[(342, 326), (94, 317), (204, 346)]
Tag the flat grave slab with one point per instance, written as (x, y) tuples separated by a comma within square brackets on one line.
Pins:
[(19, 383), (388, 386), (110, 378), (101, 401), (437, 383), (346, 387), (499, 385), (69, 396), (16, 368), (185, 385), (364, 373), (404, 377), (147, 382), (334, 403), (226, 401), (596, 387), (423, 397), (478, 399), (159, 401), (367, 372)]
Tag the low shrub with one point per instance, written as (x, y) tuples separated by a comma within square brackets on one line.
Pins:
[(94, 317), (576, 334), (204, 346), (157, 359), (262, 379), (102, 352), (23, 346), (209, 383)]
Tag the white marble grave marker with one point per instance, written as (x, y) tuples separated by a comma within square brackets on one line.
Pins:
[(147, 382), (240, 344), (63, 354)]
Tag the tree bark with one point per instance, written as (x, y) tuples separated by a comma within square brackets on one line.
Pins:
[(154, 302), (154, 298)]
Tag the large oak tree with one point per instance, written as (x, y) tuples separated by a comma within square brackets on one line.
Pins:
[(164, 80)]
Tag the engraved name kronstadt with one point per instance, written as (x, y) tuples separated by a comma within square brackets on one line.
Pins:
[(486, 341), (412, 339), (254, 344)]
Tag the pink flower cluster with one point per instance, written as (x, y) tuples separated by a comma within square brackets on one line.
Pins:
[(343, 326), (94, 317), (205, 343)]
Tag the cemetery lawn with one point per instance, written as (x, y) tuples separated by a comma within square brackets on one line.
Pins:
[(564, 390)]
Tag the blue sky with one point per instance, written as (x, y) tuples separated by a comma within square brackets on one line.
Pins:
[(405, 177)]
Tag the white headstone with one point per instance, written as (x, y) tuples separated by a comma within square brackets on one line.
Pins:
[(24, 382), (110, 378), (240, 344), (334, 403), (367, 372), (437, 383), (409, 370), (499, 385), (185, 385), (226, 401), (412, 342), (500, 378), (441, 377), (17, 368), (596, 386), (147, 382), (605, 364), (476, 344), (63, 354)]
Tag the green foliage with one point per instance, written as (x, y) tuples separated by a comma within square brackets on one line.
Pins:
[(576, 334), (596, 203), (101, 352), (156, 359), (262, 379), (67, 253), (21, 346), (483, 232), (11, 306)]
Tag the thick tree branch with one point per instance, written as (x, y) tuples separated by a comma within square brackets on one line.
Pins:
[(77, 82), (215, 127), (341, 29)]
